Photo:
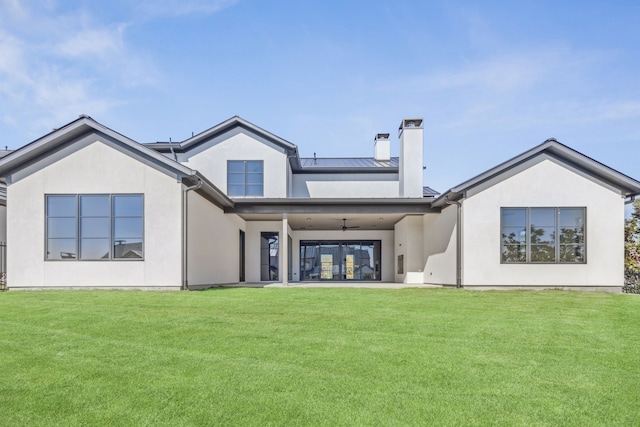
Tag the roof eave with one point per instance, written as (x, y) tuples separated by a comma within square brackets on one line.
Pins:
[(626, 185), (231, 123), (209, 191), (77, 128)]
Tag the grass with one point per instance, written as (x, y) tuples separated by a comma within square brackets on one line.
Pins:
[(319, 357)]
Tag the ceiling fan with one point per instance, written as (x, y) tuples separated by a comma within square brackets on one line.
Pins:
[(344, 225)]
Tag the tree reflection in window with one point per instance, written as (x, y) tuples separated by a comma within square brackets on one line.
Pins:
[(555, 235)]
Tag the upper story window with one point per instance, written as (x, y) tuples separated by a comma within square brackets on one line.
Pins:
[(245, 178), (94, 227), (543, 235)]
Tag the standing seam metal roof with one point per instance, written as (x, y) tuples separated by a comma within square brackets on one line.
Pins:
[(347, 162)]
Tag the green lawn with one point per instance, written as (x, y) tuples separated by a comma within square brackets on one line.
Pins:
[(319, 357)]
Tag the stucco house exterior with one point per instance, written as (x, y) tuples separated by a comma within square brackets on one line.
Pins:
[(88, 207)]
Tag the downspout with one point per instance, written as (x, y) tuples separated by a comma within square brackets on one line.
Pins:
[(175, 156), (185, 228), (630, 200), (458, 239)]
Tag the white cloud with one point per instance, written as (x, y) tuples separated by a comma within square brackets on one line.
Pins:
[(185, 7), (14, 9), (102, 43), (63, 64), (512, 72), (540, 87)]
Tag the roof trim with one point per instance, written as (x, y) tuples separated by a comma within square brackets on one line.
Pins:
[(220, 128), (627, 185), (223, 127), (237, 121), (333, 205), (38, 149), (209, 191), (77, 128)]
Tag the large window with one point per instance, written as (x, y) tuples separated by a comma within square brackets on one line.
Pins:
[(543, 235), (94, 227), (245, 178), (340, 260)]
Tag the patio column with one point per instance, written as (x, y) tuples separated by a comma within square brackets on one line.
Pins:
[(284, 251)]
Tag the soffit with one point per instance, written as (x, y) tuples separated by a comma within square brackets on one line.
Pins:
[(333, 221)]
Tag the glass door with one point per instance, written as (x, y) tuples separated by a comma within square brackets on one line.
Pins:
[(330, 261), (340, 260)]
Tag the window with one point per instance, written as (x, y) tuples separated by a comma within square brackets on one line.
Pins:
[(543, 235), (94, 227), (245, 178)]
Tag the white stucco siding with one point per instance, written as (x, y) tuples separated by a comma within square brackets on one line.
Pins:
[(95, 169), (409, 244), (3, 223), (345, 185), (212, 162), (213, 242), (545, 184), (440, 247), (252, 245)]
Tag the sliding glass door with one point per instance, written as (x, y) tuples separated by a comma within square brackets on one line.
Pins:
[(340, 260)]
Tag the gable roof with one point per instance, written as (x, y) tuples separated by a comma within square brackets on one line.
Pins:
[(82, 126), (85, 125), (627, 186), (221, 128), (228, 125)]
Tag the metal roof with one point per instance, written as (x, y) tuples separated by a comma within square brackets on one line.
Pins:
[(347, 162), (429, 192)]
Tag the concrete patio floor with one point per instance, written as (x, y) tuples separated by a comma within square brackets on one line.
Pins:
[(371, 285)]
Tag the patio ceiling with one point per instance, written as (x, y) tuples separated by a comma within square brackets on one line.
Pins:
[(326, 221)]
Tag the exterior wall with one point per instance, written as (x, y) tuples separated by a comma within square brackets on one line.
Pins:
[(411, 161), (252, 246), (96, 168), (440, 247), (3, 223), (211, 161), (213, 243), (386, 238), (409, 245), (345, 185), (545, 184)]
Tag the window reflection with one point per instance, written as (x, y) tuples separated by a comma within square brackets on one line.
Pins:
[(340, 260), (98, 227), (543, 235)]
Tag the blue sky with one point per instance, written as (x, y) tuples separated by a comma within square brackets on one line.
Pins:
[(491, 78)]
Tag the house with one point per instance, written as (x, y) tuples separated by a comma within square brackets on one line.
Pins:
[(89, 207)]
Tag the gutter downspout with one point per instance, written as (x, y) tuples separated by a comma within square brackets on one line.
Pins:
[(630, 200), (458, 239), (185, 228)]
